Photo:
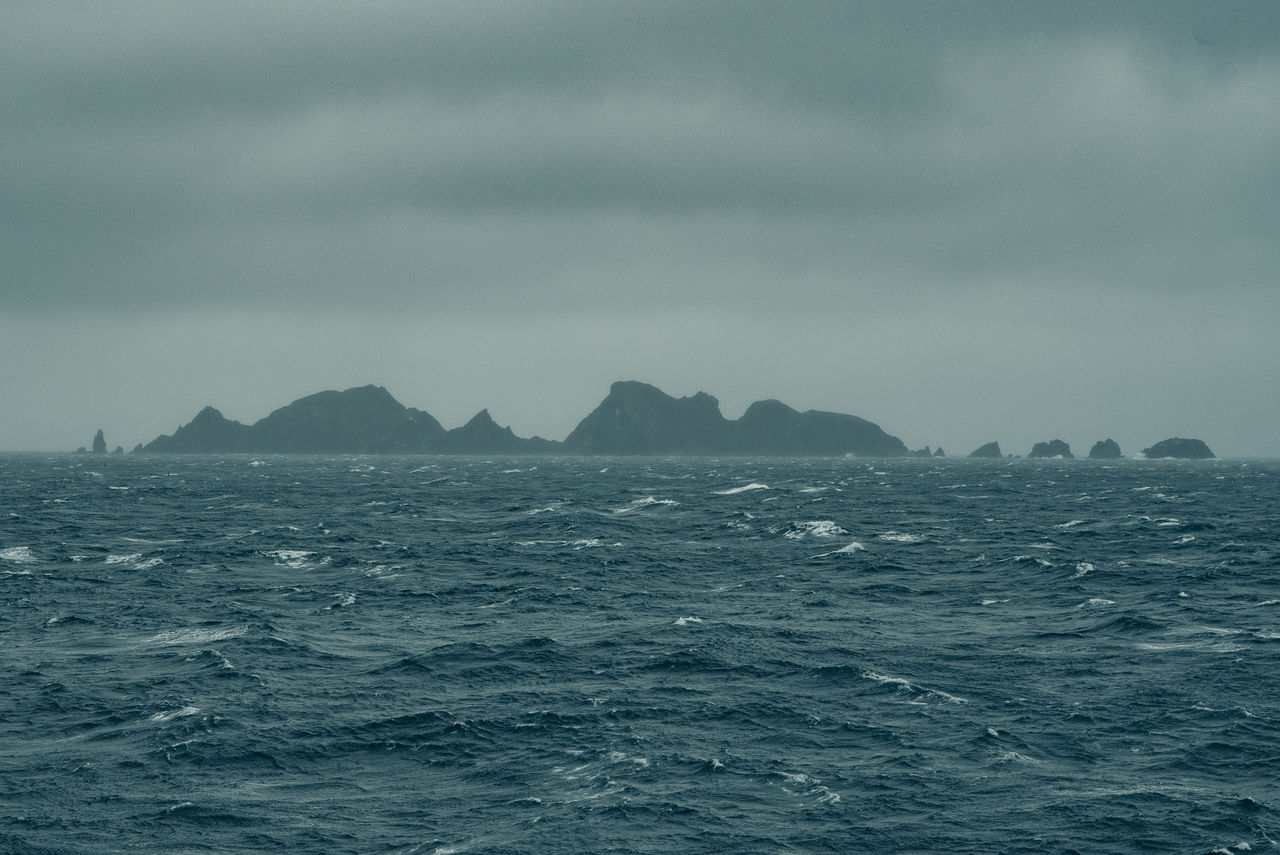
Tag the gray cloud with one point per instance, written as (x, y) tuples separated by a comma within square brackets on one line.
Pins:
[(922, 175)]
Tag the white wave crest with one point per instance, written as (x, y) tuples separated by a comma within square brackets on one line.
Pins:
[(685, 621), (745, 488), (18, 555), (907, 686), (192, 635), (645, 502), (1082, 568), (170, 715), (813, 528), (297, 558), (899, 537)]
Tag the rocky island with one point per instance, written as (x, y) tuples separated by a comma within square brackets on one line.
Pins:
[(363, 420), (1105, 449), (634, 418), (1053, 448), (1179, 448), (990, 451)]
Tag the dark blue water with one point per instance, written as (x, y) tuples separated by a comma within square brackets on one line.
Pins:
[(434, 655)]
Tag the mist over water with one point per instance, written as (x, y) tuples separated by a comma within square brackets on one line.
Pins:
[(421, 654)]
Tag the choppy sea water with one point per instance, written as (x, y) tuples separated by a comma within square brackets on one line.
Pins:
[(577, 655)]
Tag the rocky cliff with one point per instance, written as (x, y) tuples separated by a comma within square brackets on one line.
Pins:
[(360, 420), (636, 418), (1105, 449), (990, 451), (1183, 449), (1052, 448)]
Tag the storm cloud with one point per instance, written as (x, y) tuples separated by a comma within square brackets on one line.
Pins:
[(965, 221)]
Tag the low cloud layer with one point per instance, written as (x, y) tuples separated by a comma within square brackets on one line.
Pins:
[(965, 221)]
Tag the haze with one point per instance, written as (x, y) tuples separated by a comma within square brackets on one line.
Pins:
[(964, 221)]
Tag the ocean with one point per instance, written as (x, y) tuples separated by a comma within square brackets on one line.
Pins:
[(235, 654)]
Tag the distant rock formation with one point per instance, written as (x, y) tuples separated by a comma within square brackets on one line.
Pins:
[(921, 452), (119, 450), (482, 435), (1183, 449), (361, 420), (1105, 449), (771, 427), (99, 443), (938, 452), (990, 451), (636, 418), (1052, 448), (208, 432)]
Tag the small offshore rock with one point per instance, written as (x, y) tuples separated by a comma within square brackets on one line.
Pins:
[(1053, 448), (1178, 448), (1105, 449), (990, 451)]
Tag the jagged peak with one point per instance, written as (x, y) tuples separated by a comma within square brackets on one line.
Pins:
[(481, 418), (209, 414)]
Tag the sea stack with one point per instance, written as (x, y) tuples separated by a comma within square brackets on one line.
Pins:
[(99, 443), (1053, 448), (1179, 448), (1105, 449), (990, 451)]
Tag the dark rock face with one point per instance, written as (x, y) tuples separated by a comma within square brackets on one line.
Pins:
[(771, 427), (361, 420), (990, 451), (1105, 449), (636, 418), (1053, 448), (99, 443), (209, 432), (921, 452), (1183, 449), (482, 435), (939, 452)]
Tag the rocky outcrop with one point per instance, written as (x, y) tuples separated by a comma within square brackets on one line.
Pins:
[(1177, 447), (1105, 449), (361, 420), (482, 435), (990, 451), (938, 452), (771, 427), (99, 443), (1052, 448), (636, 418), (208, 432)]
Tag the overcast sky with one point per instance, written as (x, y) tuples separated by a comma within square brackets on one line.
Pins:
[(964, 221)]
